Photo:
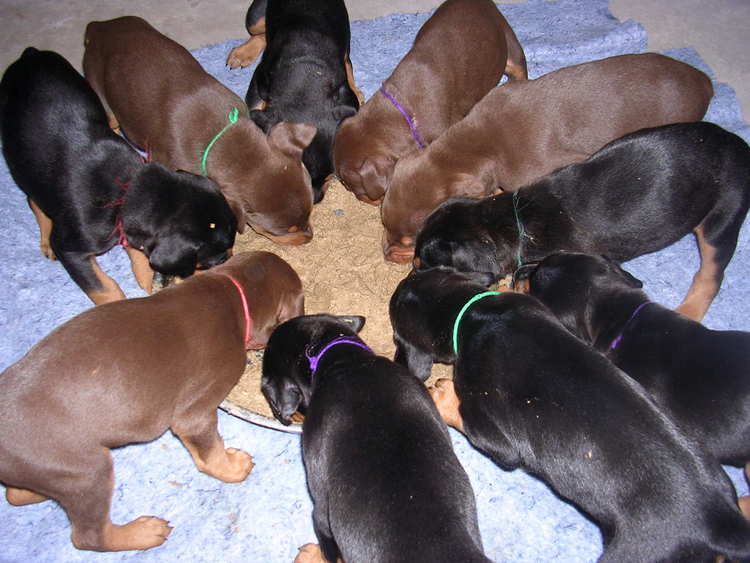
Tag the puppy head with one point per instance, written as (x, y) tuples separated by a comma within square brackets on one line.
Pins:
[(273, 290), (456, 236), (181, 221), (287, 381), (423, 308), (569, 282), (362, 158)]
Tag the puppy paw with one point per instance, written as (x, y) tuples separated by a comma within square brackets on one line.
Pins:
[(310, 553), (142, 533), (22, 497), (444, 396), (238, 466), (47, 251), (245, 54)]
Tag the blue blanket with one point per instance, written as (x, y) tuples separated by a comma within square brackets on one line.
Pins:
[(268, 516)]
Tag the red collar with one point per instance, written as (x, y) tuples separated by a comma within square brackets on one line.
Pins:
[(119, 229), (245, 309)]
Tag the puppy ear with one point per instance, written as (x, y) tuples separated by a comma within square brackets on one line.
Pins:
[(238, 210), (291, 138), (340, 113), (172, 255), (264, 119), (629, 278), (376, 173), (355, 321), (284, 397)]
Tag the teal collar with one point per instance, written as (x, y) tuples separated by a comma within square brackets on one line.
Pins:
[(463, 310)]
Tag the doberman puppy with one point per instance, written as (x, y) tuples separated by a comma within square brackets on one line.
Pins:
[(523, 130), (531, 395), (637, 195), (369, 429), (89, 190), (699, 376), (459, 55), (109, 377), (165, 103), (305, 74)]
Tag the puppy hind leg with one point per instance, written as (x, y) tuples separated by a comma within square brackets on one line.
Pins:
[(22, 497), (715, 253), (447, 402), (86, 500), (142, 271), (201, 438), (45, 229)]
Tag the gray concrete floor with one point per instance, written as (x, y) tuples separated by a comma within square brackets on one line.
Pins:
[(718, 29)]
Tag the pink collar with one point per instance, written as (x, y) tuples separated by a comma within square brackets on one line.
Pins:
[(245, 308)]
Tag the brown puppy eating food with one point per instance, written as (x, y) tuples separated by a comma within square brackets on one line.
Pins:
[(459, 54), (523, 130), (111, 377), (166, 104)]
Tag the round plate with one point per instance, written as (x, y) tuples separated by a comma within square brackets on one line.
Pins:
[(259, 419)]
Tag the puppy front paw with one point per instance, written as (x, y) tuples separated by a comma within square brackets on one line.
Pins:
[(310, 553), (444, 396), (238, 466)]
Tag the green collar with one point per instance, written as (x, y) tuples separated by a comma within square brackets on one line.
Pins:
[(234, 115), (477, 297)]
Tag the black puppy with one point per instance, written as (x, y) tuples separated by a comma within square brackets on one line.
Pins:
[(530, 394), (304, 75), (90, 190), (636, 195), (700, 376), (385, 482)]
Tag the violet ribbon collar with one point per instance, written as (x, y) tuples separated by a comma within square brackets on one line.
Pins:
[(410, 121), (618, 338), (314, 360)]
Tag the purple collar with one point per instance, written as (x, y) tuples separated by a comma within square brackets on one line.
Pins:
[(618, 338), (314, 360), (411, 122)]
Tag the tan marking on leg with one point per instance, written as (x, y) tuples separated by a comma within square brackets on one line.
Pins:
[(22, 497), (229, 465), (110, 290), (310, 553), (350, 80), (142, 271), (144, 532), (45, 229), (245, 54), (444, 396), (704, 288), (113, 122)]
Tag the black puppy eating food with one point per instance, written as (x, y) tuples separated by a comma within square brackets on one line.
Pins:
[(89, 190), (636, 195), (385, 482), (304, 75), (700, 376), (529, 394)]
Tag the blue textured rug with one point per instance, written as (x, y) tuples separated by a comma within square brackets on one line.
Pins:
[(268, 516)]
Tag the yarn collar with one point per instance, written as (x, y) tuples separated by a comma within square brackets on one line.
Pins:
[(410, 120), (314, 360), (616, 341), (245, 308), (119, 229), (463, 310), (232, 118)]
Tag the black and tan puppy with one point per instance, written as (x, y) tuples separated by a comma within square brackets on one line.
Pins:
[(90, 190), (636, 195), (529, 394), (305, 74), (126, 372), (700, 376), (385, 482)]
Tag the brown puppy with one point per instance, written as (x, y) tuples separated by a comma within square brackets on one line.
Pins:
[(459, 54), (168, 105), (126, 372), (521, 131)]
